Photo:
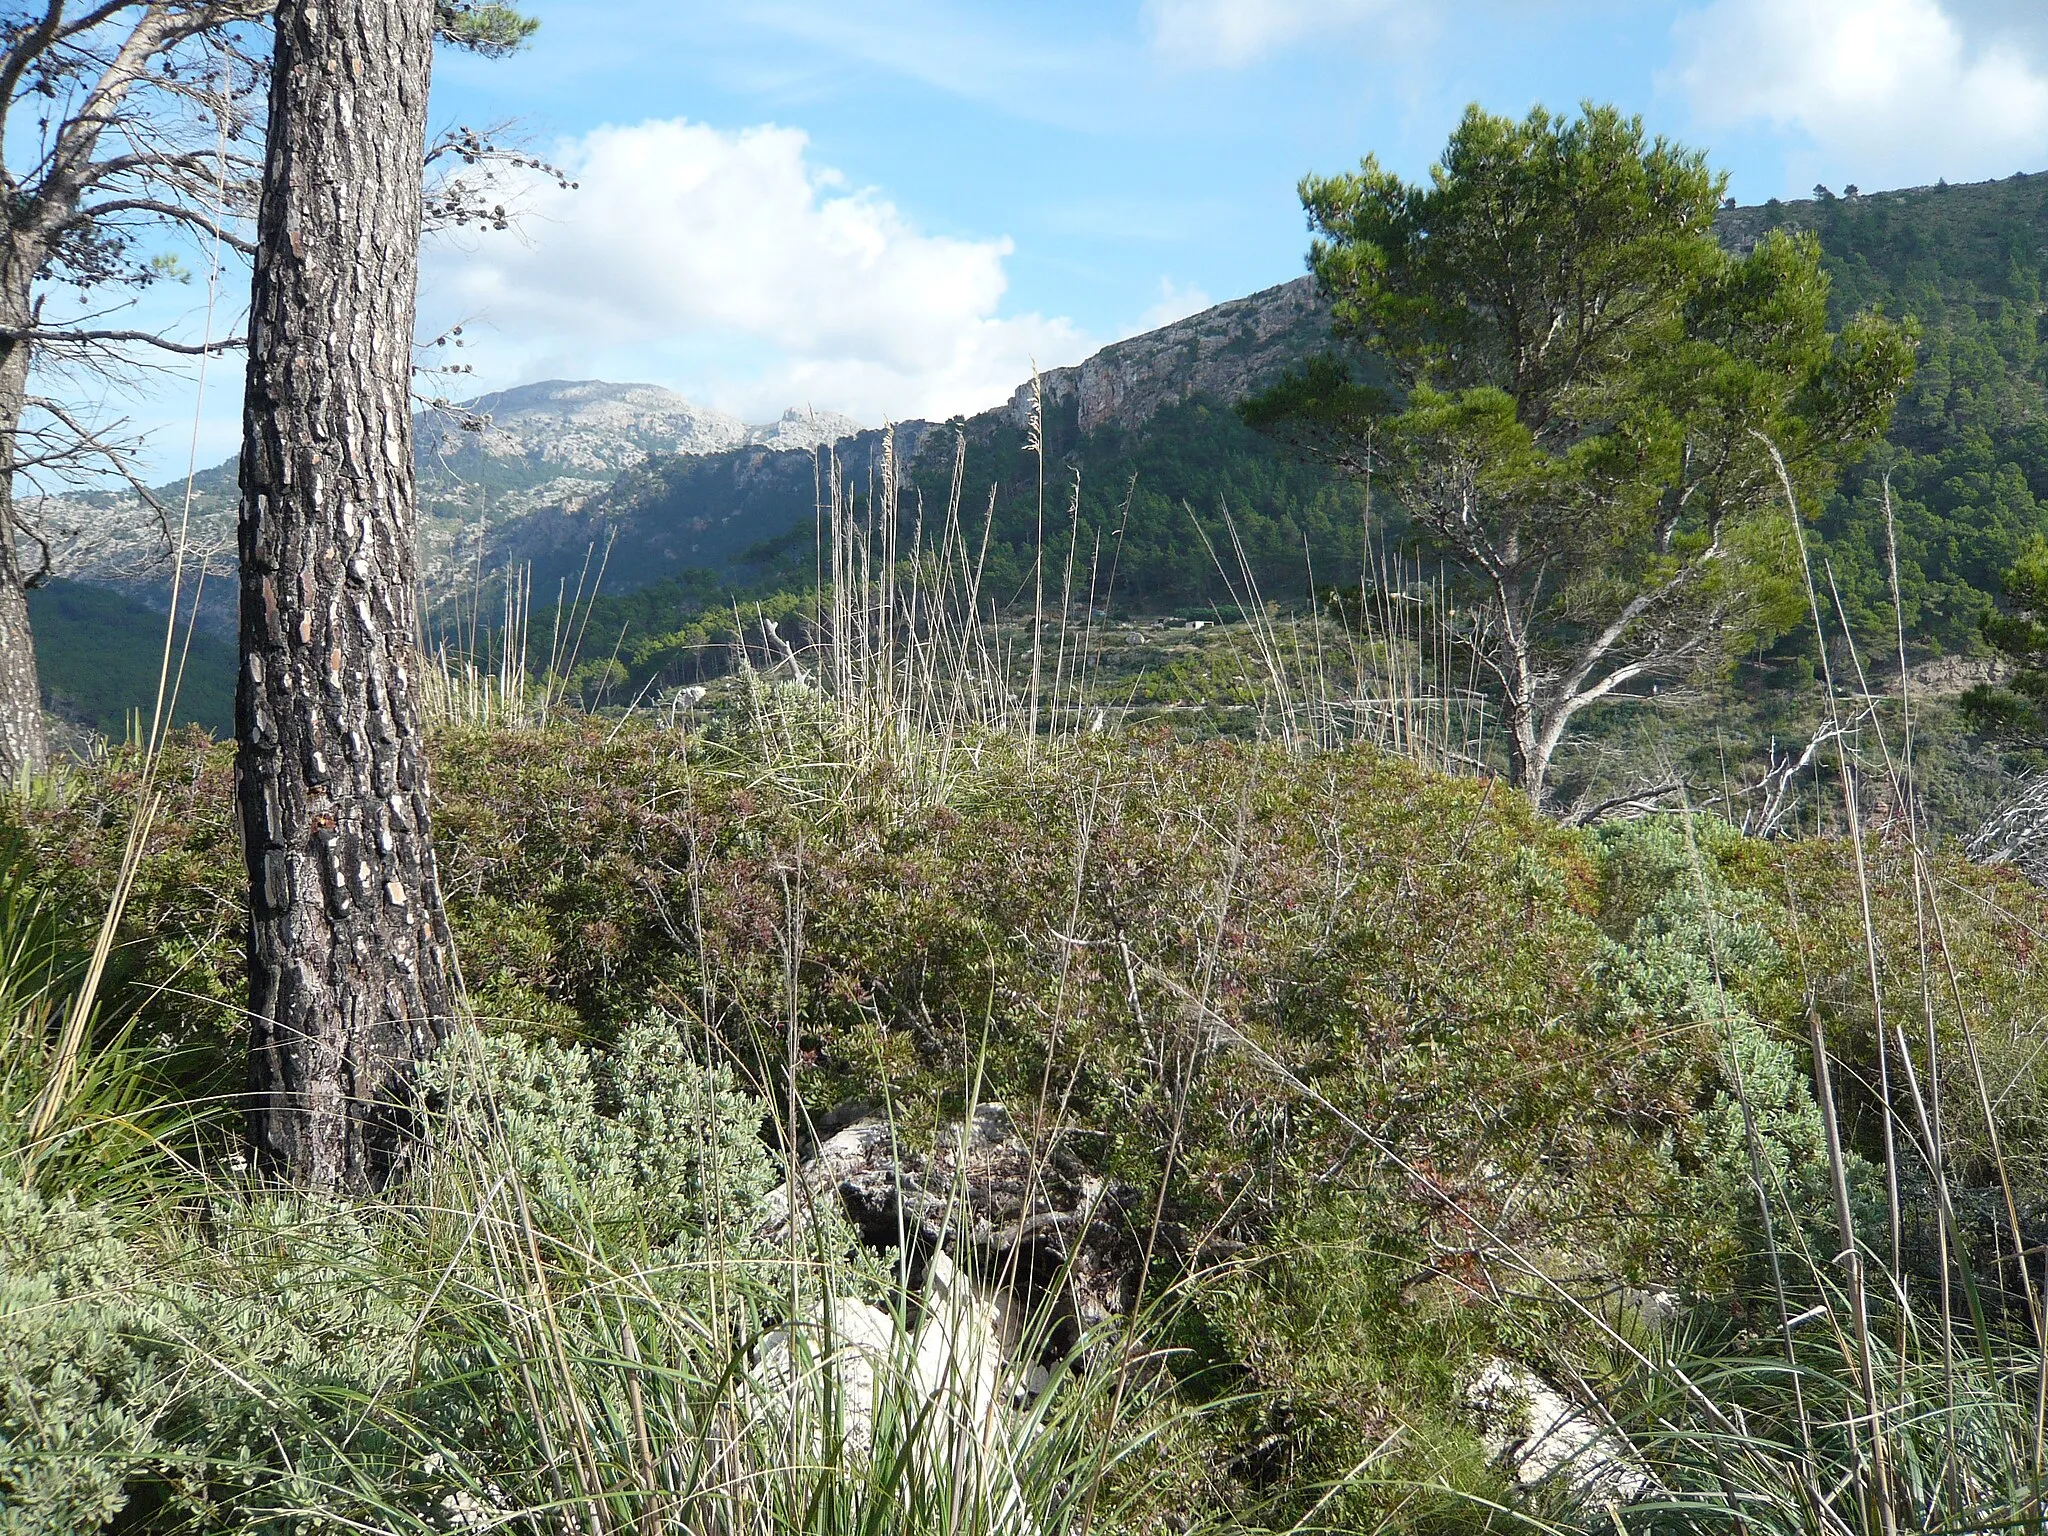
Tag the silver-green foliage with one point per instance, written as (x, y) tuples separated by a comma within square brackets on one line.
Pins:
[(300, 1365), (641, 1136), (1689, 947), (79, 1383)]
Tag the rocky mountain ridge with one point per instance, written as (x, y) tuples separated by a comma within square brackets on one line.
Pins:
[(498, 459), (593, 429), (1222, 352), (709, 510), (538, 474)]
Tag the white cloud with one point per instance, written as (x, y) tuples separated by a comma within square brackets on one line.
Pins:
[(729, 266), (1236, 32), (1887, 91), (1176, 301)]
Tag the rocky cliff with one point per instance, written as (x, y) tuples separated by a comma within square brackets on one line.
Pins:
[(1222, 353)]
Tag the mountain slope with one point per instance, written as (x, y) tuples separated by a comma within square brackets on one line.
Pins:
[(677, 512), (1159, 460), (1219, 354), (541, 448), (531, 455), (1968, 452), (101, 655), (695, 506)]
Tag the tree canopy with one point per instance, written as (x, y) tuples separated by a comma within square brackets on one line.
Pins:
[(2014, 711), (1595, 407)]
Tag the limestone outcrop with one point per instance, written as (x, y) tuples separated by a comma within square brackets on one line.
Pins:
[(1054, 1248)]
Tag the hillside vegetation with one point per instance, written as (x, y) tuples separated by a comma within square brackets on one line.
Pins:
[(1031, 996), (1165, 501), (102, 655), (1969, 464), (1393, 1081), (1164, 506)]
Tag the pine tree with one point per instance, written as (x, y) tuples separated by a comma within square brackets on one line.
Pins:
[(1588, 393), (349, 963)]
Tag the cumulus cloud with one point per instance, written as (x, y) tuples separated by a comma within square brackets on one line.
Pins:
[(1229, 33), (731, 267), (1886, 91), (1176, 301)]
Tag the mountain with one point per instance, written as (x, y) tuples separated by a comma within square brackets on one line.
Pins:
[(541, 449), (560, 438), (1144, 428), (1221, 353), (526, 457), (727, 512), (1968, 450), (1146, 464), (677, 512)]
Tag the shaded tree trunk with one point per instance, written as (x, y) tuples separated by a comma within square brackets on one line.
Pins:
[(348, 946), (24, 749)]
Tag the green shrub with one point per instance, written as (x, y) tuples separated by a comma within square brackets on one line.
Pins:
[(1411, 1076), (637, 1136), (80, 1385), (1695, 950)]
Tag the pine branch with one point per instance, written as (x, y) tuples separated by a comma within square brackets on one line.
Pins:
[(38, 337)]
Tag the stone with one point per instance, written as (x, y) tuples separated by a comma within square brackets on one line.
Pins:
[(854, 1342), (828, 1378), (1054, 1246), (1535, 1433), (1224, 352), (2017, 833)]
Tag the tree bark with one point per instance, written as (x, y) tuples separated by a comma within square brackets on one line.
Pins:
[(1528, 763), (24, 747), (348, 946)]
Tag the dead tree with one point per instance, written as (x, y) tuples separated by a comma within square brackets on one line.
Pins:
[(121, 121), (115, 117)]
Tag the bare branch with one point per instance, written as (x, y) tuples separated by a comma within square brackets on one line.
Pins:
[(29, 48), (29, 531), (1639, 800), (197, 218), (1775, 788), (35, 336), (95, 443)]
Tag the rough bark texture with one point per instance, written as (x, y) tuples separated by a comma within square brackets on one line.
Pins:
[(24, 750), (348, 947)]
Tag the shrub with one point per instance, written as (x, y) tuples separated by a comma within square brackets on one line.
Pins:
[(636, 1137), (80, 1385)]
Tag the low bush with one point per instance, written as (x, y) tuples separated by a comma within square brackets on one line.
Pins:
[(1401, 1077)]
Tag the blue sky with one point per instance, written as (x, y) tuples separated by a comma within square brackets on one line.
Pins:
[(893, 207)]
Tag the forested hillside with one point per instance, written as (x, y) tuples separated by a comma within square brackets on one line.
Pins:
[(1969, 459), (1166, 499), (1159, 501), (102, 655)]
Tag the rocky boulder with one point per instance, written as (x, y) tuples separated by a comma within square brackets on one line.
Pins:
[(1054, 1248), (1537, 1435)]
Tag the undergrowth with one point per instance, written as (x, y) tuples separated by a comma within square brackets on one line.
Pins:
[(1395, 1080)]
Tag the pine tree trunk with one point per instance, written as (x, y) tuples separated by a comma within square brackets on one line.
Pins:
[(348, 947), (24, 749)]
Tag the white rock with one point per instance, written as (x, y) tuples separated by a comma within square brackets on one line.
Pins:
[(826, 1379), (803, 430), (1535, 1433), (826, 1370)]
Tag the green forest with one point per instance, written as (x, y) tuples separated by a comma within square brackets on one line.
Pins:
[(1157, 507), (102, 656)]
